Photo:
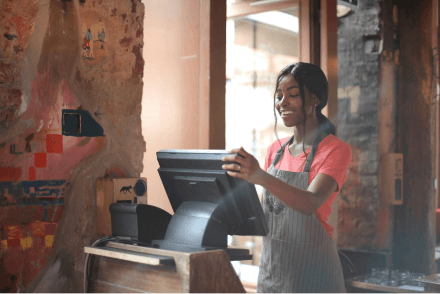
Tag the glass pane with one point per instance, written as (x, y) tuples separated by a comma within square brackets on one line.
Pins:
[(258, 47)]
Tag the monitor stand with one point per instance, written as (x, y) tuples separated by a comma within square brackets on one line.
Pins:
[(199, 226)]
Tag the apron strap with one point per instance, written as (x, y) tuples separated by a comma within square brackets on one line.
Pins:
[(280, 151), (310, 157), (313, 151)]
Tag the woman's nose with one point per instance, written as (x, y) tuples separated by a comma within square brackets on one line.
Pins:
[(284, 100)]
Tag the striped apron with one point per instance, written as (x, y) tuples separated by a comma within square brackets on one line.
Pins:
[(298, 255)]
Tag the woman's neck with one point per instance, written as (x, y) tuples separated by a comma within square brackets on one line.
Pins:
[(311, 132)]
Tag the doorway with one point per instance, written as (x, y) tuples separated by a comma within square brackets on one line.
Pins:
[(262, 37)]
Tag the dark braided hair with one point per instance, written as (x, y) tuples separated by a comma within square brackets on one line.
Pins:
[(312, 77)]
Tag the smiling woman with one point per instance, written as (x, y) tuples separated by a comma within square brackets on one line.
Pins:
[(299, 254)]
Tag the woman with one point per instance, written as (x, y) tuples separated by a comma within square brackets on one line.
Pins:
[(300, 180)]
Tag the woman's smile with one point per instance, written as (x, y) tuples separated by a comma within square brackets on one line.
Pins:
[(286, 113)]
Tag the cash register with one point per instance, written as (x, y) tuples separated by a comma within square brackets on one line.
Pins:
[(208, 206)]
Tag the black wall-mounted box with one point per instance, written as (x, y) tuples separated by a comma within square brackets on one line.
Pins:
[(79, 123)]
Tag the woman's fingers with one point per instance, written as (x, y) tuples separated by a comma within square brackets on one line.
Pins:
[(235, 174), (243, 152), (245, 165), (242, 168), (234, 150), (236, 158), (236, 167), (240, 151), (240, 155)]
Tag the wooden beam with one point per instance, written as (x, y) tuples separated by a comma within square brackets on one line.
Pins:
[(305, 31), (212, 74), (387, 118), (414, 238), (436, 40), (326, 55), (315, 31), (329, 56)]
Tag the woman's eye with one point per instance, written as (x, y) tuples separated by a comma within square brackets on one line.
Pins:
[(278, 98)]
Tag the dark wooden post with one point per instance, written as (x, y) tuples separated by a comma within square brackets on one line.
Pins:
[(387, 118), (212, 74), (414, 236)]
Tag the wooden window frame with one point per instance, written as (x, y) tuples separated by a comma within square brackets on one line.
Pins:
[(317, 36), (240, 9)]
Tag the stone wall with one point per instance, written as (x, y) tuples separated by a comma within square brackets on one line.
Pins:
[(359, 45), (58, 56)]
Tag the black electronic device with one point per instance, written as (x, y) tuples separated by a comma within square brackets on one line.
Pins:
[(208, 203), (80, 123), (139, 223)]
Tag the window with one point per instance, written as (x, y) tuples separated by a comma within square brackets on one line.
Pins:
[(260, 41)]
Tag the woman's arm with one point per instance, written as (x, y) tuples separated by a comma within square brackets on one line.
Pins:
[(303, 201)]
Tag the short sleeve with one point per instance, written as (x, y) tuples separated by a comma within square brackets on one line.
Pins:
[(268, 159), (271, 152), (336, 164)]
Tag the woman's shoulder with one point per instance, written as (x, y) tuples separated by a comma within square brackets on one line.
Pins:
[(335, 141), (332, 143), (277, 144), (329, 144)]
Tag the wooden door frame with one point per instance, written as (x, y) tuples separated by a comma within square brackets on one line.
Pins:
[(212, 74), (329, 56)]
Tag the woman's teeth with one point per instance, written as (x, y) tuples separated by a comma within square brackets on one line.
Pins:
[(284, 113)]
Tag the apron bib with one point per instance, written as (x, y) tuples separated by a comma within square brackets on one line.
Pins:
[(298, 255)]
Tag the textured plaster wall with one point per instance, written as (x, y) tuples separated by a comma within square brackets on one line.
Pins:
[(358, 96), (47, 179)]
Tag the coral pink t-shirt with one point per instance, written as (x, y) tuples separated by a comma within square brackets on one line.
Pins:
[(332, 158)]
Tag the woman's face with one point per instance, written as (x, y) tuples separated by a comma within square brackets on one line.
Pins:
[(288, 102)]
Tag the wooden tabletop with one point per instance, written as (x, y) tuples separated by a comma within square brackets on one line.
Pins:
[(139, 257)]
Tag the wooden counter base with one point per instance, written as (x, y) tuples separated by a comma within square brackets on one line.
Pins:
[(126, 268)]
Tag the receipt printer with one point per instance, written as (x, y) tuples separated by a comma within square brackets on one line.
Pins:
[(139, 222)]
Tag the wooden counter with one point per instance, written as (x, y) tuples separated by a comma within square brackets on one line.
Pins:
[(127, 268), (432, 282), (358, 285)]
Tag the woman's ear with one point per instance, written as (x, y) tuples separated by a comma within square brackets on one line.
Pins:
[(315, 100)]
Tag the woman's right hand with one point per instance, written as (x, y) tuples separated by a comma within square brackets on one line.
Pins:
[(246, 166)]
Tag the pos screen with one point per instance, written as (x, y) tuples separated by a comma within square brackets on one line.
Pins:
[(196, 176)]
